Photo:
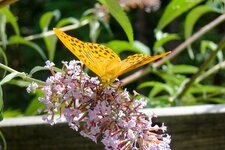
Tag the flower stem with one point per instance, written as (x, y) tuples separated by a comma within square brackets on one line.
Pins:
[(27, 78)]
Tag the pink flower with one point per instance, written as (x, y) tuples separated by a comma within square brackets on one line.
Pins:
[(99, 112), (32, 87), (49, 64)]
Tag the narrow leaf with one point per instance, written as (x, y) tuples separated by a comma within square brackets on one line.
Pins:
[(1, 103), (184, 69), (121, 46), (2, 53), (3, 36), (158, 84), (117, 12), (193, 16), (175, 9), (65, 21), (50, 41), (21, 40), (11, 76), (35, 104), (41, 68), (46, 19), (10, 18), (141, 47), (163, 38)]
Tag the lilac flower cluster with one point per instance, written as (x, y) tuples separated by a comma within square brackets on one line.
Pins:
[(99, 112)]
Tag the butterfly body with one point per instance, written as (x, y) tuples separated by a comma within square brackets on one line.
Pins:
[(102, 60)]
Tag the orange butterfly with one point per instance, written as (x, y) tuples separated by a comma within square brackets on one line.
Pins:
[(102, 60)]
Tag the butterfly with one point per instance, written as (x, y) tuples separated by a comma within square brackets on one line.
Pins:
[(102, 60)]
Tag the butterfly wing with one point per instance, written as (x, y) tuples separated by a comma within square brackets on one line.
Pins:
[(95, 56), (137, 60), (103, 58), (103, 54)]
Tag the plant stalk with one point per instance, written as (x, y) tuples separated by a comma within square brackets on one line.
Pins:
[(27, 78)]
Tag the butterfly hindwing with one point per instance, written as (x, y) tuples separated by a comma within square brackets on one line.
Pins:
[(137, 60)]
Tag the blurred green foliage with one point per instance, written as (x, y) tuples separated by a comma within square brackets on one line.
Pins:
[(26, 43)]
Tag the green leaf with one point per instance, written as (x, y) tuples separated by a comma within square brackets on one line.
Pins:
[(163, 38), (171, 79), (205, 45), (66, 21), (159, 101), (198, 88), (40, 68), (21, 40), (46, 19), (156, 84), (1, 103), (12, 113), (193, 16), (94, 30), (184, 69), (11, 76), (35, 104), (217, 5), (117, 12), (217, 100), (107, 27), (121, 46), (19, 82), (2, 53), (3, 36), (175, 9), (50, 41), (155, 90), (10, 18), (142, 48)]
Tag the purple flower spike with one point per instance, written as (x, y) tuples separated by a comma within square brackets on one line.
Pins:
[(100, 112)]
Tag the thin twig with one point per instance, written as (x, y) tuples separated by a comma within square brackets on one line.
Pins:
[(49, 33), (177, 50)]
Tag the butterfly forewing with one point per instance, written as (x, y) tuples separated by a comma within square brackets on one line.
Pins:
[(88, 53), (77, 48), (102, 52), (137, 60)]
